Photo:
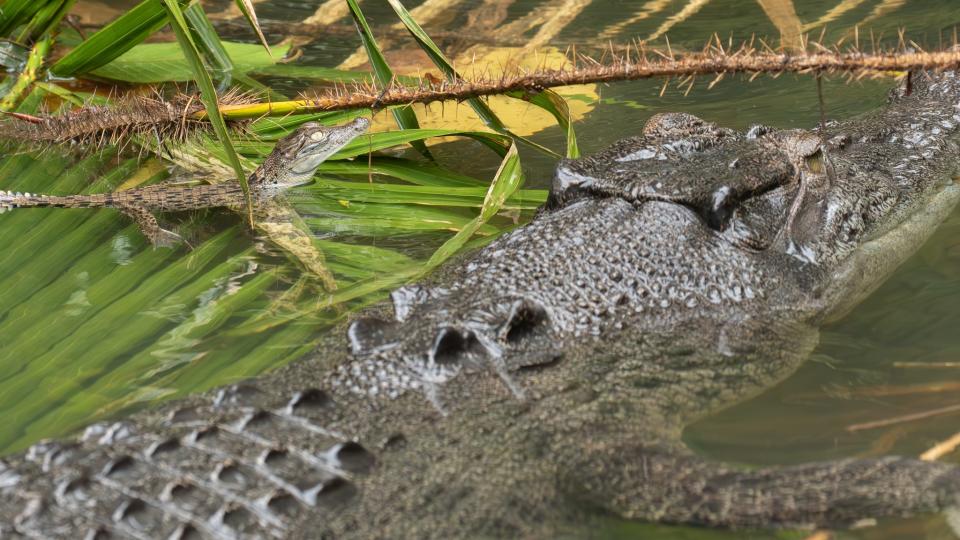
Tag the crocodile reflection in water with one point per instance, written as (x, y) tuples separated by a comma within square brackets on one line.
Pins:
[(549, 376)]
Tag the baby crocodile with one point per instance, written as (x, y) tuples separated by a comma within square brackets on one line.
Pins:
[(292, 163)]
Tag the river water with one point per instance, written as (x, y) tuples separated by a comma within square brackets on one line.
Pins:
[(871, 366)]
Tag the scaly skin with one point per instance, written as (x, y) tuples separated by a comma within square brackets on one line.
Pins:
[(292, 162), (548, 377)]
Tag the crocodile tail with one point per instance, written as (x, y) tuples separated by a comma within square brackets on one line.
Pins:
[(8, 200)]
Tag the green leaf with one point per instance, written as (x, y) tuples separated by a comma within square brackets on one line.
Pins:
[(45, 20), (504, 184), (365, 144), (13, 13), (378, 141), (423, 174), (438, 195), (246, 7), (165, 62), (404, 116), (296, 71), (114, 39), (554, 103), (208, 41)]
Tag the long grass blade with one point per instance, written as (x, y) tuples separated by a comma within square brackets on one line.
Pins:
[(45, 21), (16, 12), (113, 40), (485, 113), (250, 14), (209, 42), (209, 96), (405, 117), (505, 183)]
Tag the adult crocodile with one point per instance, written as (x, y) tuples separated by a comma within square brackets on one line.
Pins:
[(549, 376)]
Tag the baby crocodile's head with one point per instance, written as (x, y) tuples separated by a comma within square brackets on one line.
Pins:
[(297, 156)]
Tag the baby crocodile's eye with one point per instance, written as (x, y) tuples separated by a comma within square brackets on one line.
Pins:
[(318, 136)]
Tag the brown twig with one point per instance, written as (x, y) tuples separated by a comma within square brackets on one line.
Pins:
[(905, 418), (932, 365), (942, 449), (906, 390), (716, 59), (691, 65)]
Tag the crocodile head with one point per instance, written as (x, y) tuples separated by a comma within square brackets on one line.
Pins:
[(688, 221), (297, 156), (820, 202)]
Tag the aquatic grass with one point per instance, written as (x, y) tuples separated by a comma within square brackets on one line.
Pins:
[(250, 14), (412, 172), (373, 142), (263, 351), (84, 230), (490, 118), (37, 340), (208, 43), (452, 196), (374, 223), (210, 301), (18, 317), (112, 300), (44, 225), (91, 334), (508, 178), (165, 62)]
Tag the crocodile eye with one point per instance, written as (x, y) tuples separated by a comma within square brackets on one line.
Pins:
[(318, 136)]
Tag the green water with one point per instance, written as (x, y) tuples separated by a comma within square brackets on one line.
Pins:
[(83, 334)]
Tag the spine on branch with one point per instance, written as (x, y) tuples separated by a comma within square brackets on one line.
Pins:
[(97, 125)]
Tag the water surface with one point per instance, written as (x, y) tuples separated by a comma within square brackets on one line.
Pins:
[(859, 373)]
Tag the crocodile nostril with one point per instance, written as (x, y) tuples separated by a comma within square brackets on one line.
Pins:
[(450, 345), (524, 321), (369, 334)]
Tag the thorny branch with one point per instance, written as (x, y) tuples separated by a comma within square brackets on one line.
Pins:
[(716, 60)]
